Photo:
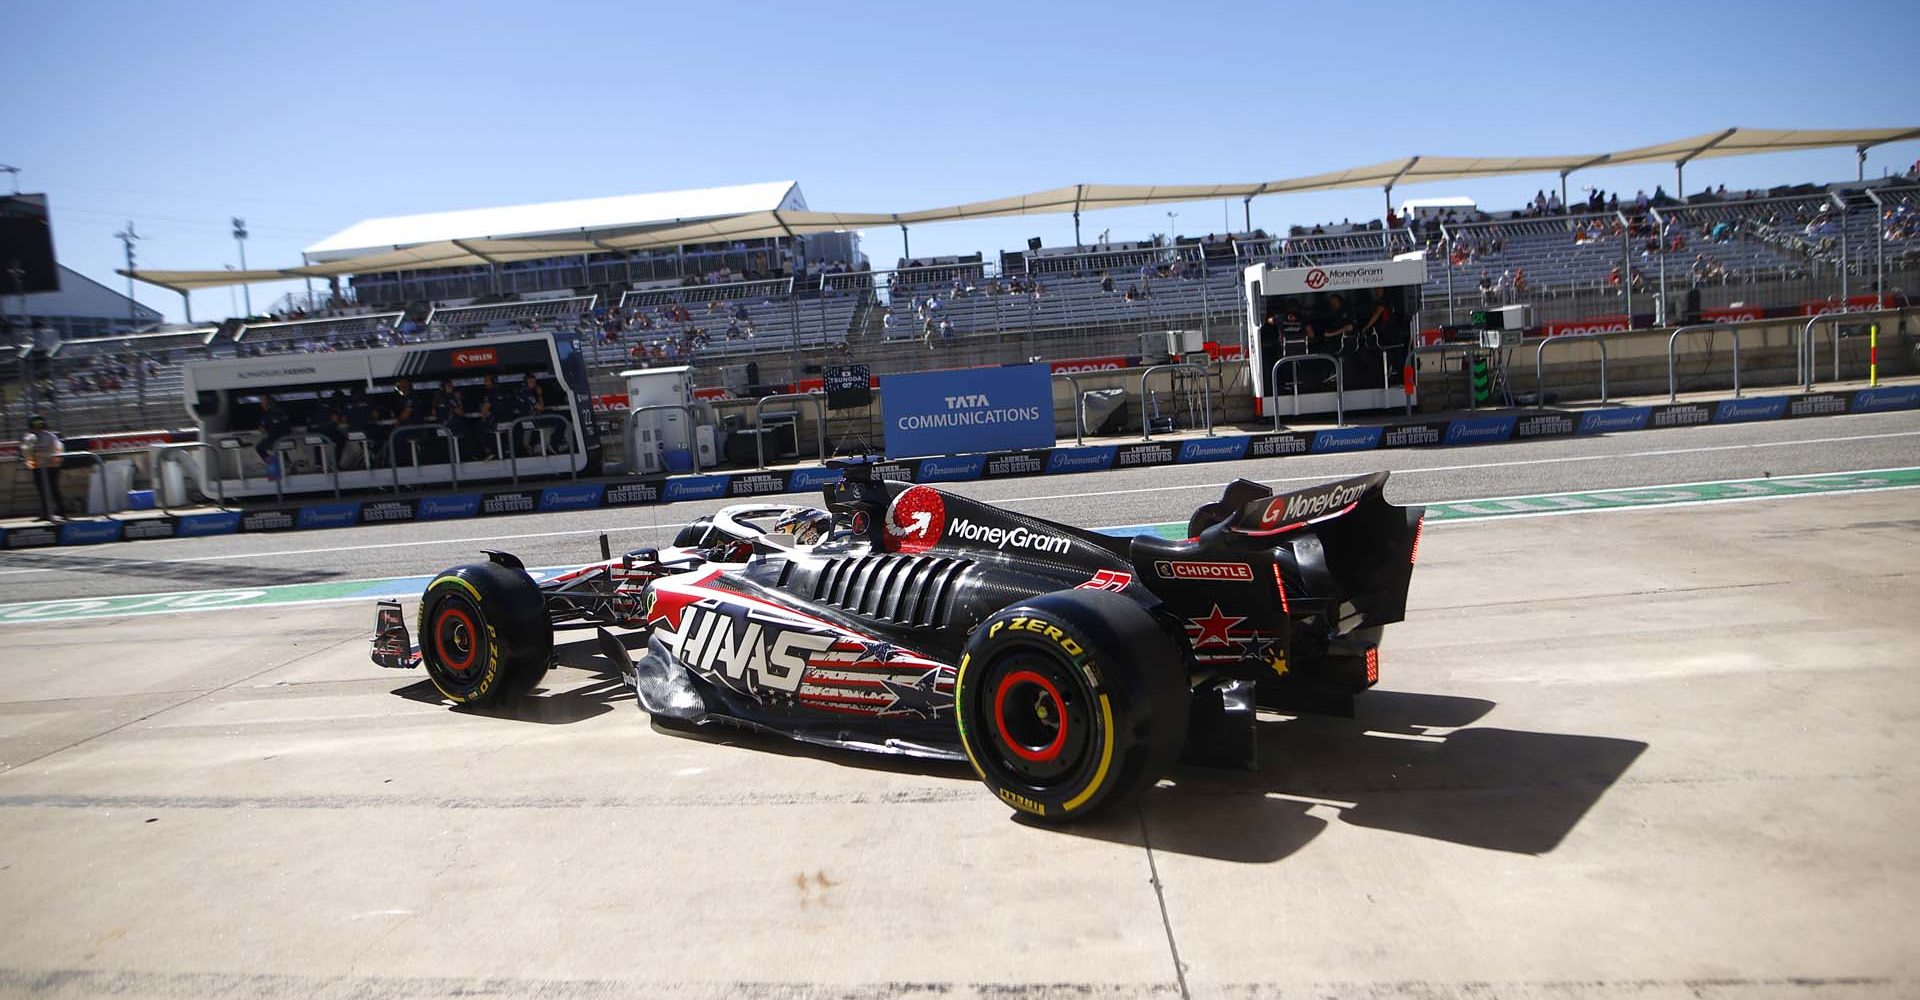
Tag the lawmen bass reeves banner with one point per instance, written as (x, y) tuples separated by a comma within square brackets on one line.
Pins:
[(967, 410)]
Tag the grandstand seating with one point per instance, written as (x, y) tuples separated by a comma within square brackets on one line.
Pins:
[(1778, 248), (460, 322), (366, 330), (732, 319)]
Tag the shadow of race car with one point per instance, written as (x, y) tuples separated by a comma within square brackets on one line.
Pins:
[(1071, 668)]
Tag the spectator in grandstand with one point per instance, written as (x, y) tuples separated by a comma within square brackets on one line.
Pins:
[(1520, 281), (40, 449), (1486, 288), (1553, 203), (1106, 282)]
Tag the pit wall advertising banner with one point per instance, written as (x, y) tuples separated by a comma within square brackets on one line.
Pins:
[(967, 410), (964, 467)]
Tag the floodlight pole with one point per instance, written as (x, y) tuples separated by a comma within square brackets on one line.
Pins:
[(126, 237), (240, 238)]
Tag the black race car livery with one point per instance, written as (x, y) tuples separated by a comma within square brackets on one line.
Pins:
[(1067, 666)]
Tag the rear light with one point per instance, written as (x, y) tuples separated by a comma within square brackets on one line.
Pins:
[(1280, 584), (1373, 665), (1419, 527)]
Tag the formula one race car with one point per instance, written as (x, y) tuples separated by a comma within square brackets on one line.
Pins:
[(1070, 668)]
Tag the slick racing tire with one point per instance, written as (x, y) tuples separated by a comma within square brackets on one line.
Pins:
[(484, 633), (1071, 702)]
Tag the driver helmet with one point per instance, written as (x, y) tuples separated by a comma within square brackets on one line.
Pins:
[(807, 525)]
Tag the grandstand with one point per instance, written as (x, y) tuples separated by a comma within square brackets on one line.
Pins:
[(325, 334), (99, 384), (462, 322), (791, 303)]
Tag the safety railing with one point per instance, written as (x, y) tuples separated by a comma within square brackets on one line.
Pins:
[(1339, 385), (1079, 408), (1539, 367), (412, 432), (819, 422), (168, 454), (633, 419), (1673, 377), (510, 429), (327, 465), (1806, 370), (1206, 395)]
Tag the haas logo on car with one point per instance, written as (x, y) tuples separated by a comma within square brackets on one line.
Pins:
[(475, 357), (1316, 279), (916, 520)]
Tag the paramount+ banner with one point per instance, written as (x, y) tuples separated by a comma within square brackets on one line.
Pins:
[(1007, 408)]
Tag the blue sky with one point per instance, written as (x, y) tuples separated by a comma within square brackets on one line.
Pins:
[(306, 118)]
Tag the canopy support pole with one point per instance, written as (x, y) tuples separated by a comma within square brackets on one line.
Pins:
[(1078, 190), (906, 248), (186, 300)]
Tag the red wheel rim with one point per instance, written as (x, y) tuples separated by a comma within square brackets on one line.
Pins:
[(1008, 683), (440, 631)]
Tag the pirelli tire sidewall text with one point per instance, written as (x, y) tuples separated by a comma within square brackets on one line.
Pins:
[(484, 633), (1123, 679)]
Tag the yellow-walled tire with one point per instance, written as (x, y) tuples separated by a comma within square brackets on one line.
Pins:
[(484, 633), (1071, 702)]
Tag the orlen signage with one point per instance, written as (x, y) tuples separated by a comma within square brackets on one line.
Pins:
[(1592, 324), (1078, 365), (475, 357)]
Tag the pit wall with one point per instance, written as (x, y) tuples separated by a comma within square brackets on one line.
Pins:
[(1482, 428)]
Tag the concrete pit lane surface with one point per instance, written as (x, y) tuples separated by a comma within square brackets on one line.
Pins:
[(1665, 751)]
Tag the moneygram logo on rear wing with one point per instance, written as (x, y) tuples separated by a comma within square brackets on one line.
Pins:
[(1284, 512)]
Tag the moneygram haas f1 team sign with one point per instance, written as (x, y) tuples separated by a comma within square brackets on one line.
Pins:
[(967, 410)]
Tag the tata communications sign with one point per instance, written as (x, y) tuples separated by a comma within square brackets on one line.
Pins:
[(1336, 277), (967, 410)]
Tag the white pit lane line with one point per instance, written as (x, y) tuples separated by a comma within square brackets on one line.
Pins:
[(1464, 467)]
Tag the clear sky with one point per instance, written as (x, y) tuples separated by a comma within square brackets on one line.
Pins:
[(305, 118)]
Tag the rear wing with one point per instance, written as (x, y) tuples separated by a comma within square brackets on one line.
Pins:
[(1345, 530)]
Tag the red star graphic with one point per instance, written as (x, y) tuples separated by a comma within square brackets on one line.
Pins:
[(668, 603), (1214, 628)]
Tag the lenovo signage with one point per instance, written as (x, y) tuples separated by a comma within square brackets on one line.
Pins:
[(1078, 365), (1823, 307), (1733, 314), (1592, 324), (475, 357)]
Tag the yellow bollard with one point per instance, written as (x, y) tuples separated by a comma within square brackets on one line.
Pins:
[(1873, 354)]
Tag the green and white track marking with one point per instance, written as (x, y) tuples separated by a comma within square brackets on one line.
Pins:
[(1440, 512)]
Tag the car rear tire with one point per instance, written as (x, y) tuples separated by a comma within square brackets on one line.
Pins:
[(1071, 702), (484, 633)]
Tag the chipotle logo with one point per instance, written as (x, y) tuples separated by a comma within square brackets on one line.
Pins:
[(475, 357)]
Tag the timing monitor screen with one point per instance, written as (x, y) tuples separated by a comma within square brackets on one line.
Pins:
[(1358, 325)]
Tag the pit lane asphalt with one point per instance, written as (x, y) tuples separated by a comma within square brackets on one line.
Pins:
[(1662, 753), (1165, 493)]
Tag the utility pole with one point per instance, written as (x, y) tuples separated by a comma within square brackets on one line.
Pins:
[(240, 237), (126, 237)]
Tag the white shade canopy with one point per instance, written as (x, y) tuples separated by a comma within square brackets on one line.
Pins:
[(766, 211)]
